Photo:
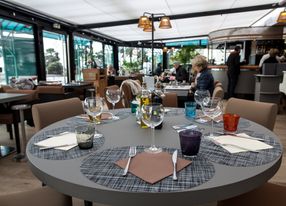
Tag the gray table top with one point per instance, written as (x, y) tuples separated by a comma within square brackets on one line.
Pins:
[(10, 97), (228, 181)]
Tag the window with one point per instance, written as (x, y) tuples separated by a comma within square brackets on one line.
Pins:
[(55, 56), (17, 51), (108, 55), (97, 51), (130, 60), (82, 53), (147, 59)]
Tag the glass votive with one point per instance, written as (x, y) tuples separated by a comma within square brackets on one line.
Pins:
[(84, 136), (230, 122), (134, 104), (190, 141), (190, 109)]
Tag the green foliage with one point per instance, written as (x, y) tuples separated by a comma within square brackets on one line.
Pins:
[(185, 54), (53, 64), (131, 66)]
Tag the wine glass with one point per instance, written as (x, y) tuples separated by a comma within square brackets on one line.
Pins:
[(199, 97), (212, 108), (93, 107), (113, 96), (152, 115)]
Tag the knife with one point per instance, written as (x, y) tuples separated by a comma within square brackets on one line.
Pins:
[(174, 160)]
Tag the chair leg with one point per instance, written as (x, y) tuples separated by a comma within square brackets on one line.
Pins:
[(9, 129)]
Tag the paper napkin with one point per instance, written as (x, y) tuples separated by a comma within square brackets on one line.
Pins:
[(67, 138), (229, 143)]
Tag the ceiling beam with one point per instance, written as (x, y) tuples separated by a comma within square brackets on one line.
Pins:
[(184, 16)]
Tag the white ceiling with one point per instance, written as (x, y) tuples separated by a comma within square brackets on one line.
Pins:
[(97, 11)]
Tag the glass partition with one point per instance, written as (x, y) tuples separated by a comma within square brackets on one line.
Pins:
[(82, 53), (108, 55), (97, 51), (17, 51), (147, 59), (130, 60), (55, 56)]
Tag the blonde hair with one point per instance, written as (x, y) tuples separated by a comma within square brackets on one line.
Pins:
[(273, 52), (200, 61)]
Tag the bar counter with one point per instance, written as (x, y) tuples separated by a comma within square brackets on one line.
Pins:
[(246, 80)]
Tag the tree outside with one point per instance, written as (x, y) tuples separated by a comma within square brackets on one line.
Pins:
[(53, 64)]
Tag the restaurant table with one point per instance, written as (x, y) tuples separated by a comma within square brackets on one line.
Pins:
[(181, 90), (213, 175), (81, 87), (7, 98)]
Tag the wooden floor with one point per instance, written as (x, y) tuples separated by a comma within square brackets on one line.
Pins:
[(17, 177)]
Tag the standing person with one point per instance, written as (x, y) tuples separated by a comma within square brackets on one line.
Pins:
[(181, 73), (233, 65), (158, 70)]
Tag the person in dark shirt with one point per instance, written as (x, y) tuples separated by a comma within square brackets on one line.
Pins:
[(158, 70), (181, 73), (204, 78), (233, 65)]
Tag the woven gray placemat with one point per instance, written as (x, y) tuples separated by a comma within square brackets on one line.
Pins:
[(55, 154), (217, 154), (101, 169)]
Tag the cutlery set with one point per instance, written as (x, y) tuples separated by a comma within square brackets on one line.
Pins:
[(132, 153)]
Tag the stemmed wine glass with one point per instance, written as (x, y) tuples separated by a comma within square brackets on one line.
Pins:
[(212, 108), (152, 116), (113, 96), (199, 97), (93, 107)]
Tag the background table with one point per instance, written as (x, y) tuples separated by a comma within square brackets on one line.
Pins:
[(228, 181)]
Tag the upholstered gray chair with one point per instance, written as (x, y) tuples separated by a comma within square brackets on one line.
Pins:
[(47, 113), (259, 112)]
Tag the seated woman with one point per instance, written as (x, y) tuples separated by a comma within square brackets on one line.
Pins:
[(110, 70), (204, 78)]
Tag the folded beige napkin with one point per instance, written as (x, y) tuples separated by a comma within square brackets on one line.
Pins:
[(152, 167), (67, 138), (237, 144)]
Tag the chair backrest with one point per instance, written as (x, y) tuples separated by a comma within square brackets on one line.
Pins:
[(259, 112), (127, 94), (218, 92), (170, 99), (109, 105), (50, 89), (47, 113), (269, 68)]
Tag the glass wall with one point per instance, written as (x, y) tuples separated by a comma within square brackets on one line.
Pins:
[(147, 59), (82, 55), (97, 51), (17, 51), (108, 55), (55, 56), (129, 60)]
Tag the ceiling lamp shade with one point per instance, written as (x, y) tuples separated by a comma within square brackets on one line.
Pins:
[(165, 23), (143, 21), (148, 27), (282, 17)]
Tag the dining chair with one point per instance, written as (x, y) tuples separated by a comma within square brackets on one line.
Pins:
[(170, 99), (43, 196), (218, 92), (130, 89), (259, 112), (268, 194), (47, 113)]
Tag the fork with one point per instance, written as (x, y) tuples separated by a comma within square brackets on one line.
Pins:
[(132, 153)]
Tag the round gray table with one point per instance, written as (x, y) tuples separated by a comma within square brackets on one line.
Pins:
[(65, 175)]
